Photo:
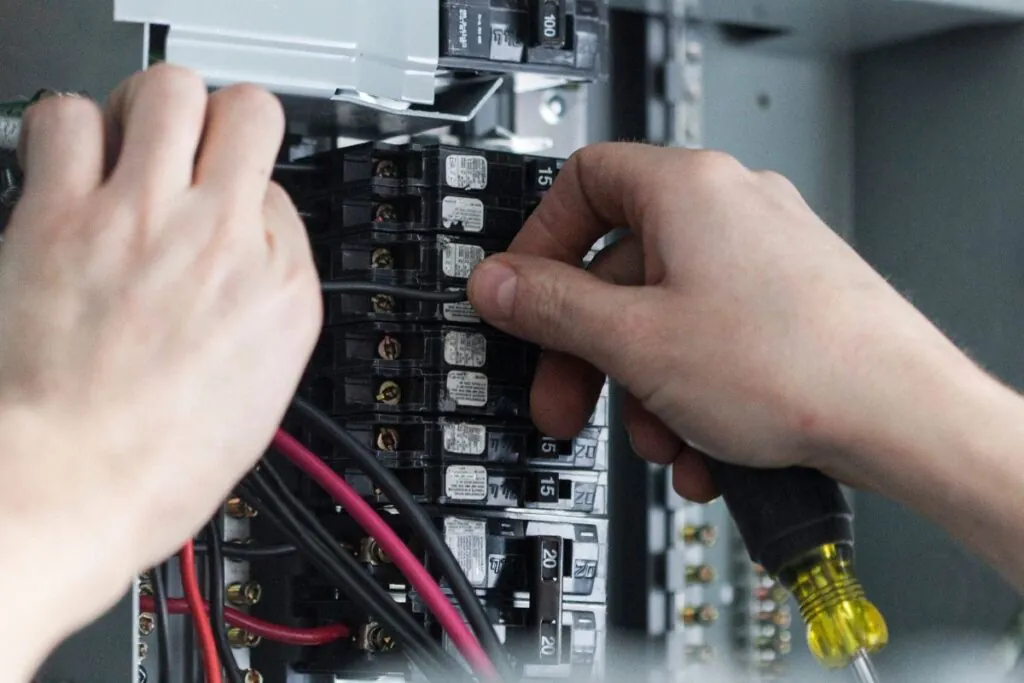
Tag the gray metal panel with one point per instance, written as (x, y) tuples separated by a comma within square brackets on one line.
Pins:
[(788, 113), (65, 45), (845, 25), (383, 48), (939, 177)]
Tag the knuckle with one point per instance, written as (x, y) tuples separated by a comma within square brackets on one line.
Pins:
[(777, 181), (178, 83), (257, 102), (713, 165), (64, 111)]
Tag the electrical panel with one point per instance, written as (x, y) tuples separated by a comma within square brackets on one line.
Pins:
[(443, 401)]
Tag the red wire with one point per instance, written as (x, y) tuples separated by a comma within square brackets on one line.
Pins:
[(407, 563), (320, 635), (194, 599)]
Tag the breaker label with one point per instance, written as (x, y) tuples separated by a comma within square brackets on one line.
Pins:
[(461, 312), (465, 482), (459, 260), (465, 439), (466, 172), (465, 349), (468, 540), (468, 388), (462, 213)]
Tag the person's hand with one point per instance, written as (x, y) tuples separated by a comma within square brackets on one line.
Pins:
[(738, 323), (158, 302)]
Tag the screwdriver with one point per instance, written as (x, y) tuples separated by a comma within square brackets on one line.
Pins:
[(796, 524)]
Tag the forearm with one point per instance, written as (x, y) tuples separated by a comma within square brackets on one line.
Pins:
[(954, 452)]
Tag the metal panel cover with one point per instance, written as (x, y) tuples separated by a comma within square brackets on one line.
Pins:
[(381, 48)]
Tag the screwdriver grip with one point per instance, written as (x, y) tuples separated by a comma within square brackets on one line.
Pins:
[(783, 514)]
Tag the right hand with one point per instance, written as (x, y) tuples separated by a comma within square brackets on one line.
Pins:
[(738, 323)]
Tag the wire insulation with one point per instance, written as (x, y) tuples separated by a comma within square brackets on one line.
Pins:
[(244, 551), (367, 287), (420, 523), (398, 551), (306, 637), (326, 554), (215, 606), (194, 597)]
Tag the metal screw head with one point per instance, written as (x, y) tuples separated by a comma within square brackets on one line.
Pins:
[(143, 675), (143, 651), (382, 258), (242, 639), (145, 588), (552, 109), (389, 393), (705, 535), (385, 213), (383, 303), (147, 624), (253, 676), (237, 508), (389, 348), (244, 593), (700, 574), (387, 439), (385, 168)]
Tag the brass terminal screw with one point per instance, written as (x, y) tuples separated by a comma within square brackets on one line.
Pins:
[(253, 676), (705, 535), (387, 439), (774, 593), (237, 508), (385, 213), (143, 651), (373, 638), (703, 615), (700, 573), (389, 393), (371, 552), (241, 638), (383, 303), (782, 618), (781, 644), (244, 594), (385, 168), (147, 624), (382, 257), (389, 348)]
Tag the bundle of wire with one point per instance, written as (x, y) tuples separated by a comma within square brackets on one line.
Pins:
[(414, 515), (266, 492)]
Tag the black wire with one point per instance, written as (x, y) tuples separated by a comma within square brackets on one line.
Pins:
[(367, 287), (421, 524), (215, 570), (244, 551), (340, 567), (163, 622), (296, 168)]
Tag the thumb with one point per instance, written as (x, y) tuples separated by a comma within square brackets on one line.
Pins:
[(563, 308)]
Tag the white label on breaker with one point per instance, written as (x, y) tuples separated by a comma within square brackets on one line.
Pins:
[(465, 482), (466, 349), (468, 540), (465, 439), (466, 172), (468, 388), (461, 312), (462, 213), (459, 260)]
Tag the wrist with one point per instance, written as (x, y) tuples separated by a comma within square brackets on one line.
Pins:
[(52, 579), (951, 447)]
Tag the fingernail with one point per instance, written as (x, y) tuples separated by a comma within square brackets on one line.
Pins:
[(494, 286)]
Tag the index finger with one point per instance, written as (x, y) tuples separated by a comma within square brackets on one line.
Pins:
[(601, 187)]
